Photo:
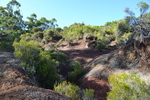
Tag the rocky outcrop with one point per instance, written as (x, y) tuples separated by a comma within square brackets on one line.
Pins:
[(14, 85)]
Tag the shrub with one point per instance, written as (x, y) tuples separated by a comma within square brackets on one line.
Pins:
[(37, 62), (88, 94), (26, 37), (37, 36), (60, 57), (48, 34), (46, 71), (68, 89), (77, 71), (5, 45), (102, 43), (128, 87), (74, 92), (28, 53), (6, 41), (121, 40)]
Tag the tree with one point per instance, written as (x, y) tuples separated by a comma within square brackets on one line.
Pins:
[(11, 19), (42, 23), (143, 7), (32, 22), (11, 24), (140, 26)]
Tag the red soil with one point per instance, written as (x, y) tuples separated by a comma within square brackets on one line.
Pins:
[(85, 55)]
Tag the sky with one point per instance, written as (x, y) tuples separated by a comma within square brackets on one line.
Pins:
[(67, 12)]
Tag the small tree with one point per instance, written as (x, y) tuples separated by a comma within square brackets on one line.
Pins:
[(139, 26), (128, 87)]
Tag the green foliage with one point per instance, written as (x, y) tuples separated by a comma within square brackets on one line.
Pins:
[(48, 34), (6, 40), (77, 71), (38, 36), (11, 18), (88, 94), (36, 29), (128, 87), (28, 53), (60, 57), (121, 40), (102, 42), (26, 37), (139, 25), (68, 89), (74, 92), (143, 7), (37, 62), (5, 45), (46, 71), (42, 23)]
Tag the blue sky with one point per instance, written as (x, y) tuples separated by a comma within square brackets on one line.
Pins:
[(67, 12)]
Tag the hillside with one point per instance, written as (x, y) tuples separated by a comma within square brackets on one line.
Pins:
[(39, 58), (14, 85), (134, 57), (87, 55)]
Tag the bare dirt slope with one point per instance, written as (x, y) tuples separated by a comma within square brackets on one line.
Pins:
[(14, 85), (134, 57), (86, 55), (83, 53)]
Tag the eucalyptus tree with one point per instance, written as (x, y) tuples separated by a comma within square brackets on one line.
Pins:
[(42, 22), (32, 21), (11, 24), (140, 25), (11, 18)]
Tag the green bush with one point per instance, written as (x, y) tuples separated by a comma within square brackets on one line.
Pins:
[(77, 71), (37, 62), (128, 87), (37, 36), (68, 89), (5, 45), (26, 37), (48, 34), (60, 57), (74, 92), (46, 71), (28, 53), (121, 40), (88, 94), (6, 41), (102, 42)]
